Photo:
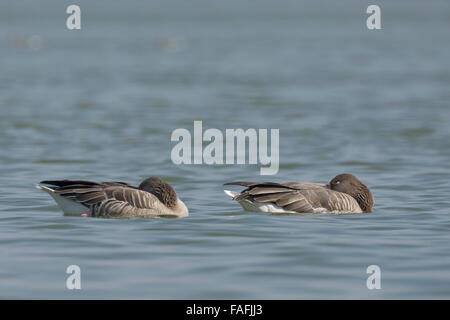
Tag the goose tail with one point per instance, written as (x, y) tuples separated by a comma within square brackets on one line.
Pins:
[(69, 207), (231, 193)]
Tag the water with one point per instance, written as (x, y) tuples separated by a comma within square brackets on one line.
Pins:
[(102, 102)]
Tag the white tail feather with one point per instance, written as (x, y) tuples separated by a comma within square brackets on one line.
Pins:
[(68, 206), (257, 207), (231, 193)]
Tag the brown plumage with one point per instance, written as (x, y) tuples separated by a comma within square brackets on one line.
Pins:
[(154, 197), (344, 194)]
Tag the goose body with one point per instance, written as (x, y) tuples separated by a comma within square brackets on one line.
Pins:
[(344, 194), (152, 198)]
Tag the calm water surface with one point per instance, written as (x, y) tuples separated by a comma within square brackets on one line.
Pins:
[(101, 104)]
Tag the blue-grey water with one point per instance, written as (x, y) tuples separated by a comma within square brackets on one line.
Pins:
[(101, 103)]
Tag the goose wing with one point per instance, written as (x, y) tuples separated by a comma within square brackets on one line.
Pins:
[(85, 183), (297, 197), (108, 198)]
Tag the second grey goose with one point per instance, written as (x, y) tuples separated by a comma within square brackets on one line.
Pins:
[(344, 194), (152, 198)]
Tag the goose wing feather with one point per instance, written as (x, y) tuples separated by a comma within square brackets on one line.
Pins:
[(298, 197), (109, 198)]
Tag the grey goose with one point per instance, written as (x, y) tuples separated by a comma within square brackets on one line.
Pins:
[(152, 198), (344, 194)]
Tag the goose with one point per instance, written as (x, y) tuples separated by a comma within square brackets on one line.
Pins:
[(152, 198), (344, 194)]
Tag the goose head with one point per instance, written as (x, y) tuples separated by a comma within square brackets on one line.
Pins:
[(161, 189), (348, 183)]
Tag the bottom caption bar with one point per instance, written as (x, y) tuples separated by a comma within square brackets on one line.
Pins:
[(211, 309)]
